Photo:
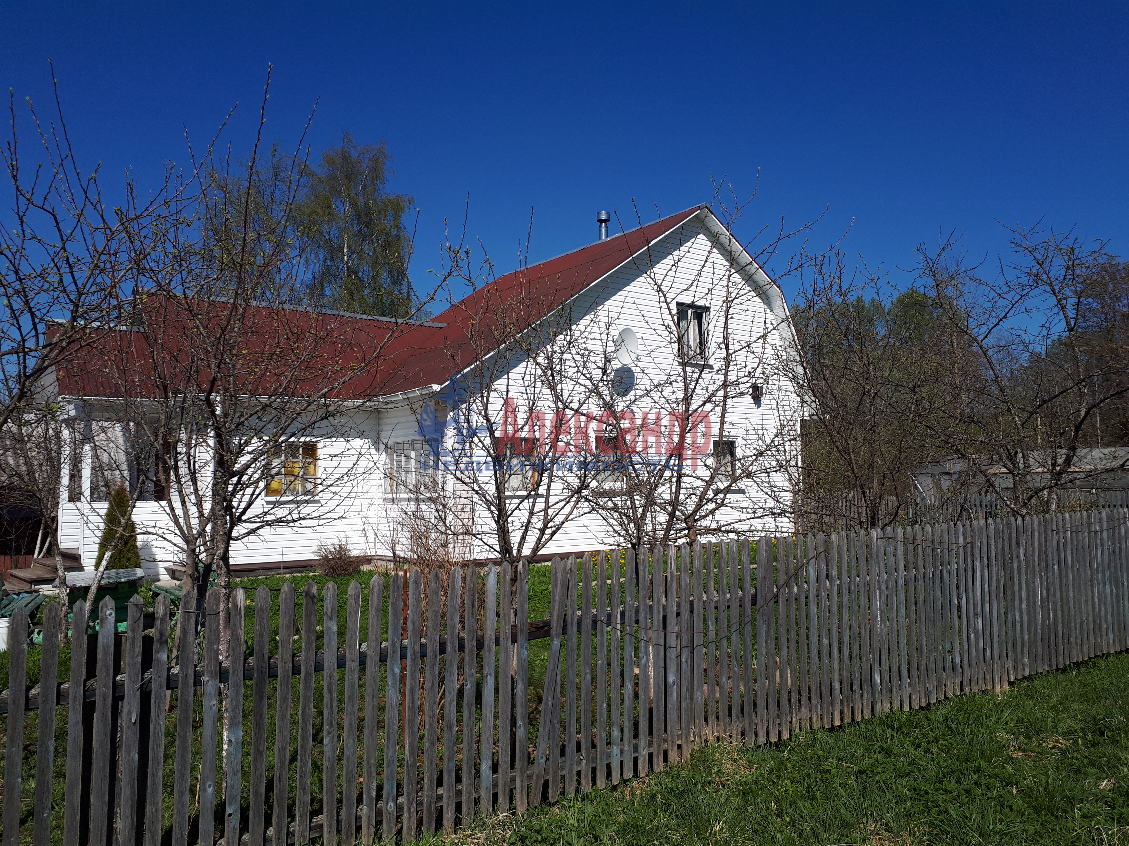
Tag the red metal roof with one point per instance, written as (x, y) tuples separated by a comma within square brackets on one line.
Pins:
[(512, 303), (365, 357)]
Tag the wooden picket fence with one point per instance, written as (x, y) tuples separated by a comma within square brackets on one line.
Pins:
[(446, 703)]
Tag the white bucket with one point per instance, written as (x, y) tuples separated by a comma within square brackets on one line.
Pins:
[(4, 623)]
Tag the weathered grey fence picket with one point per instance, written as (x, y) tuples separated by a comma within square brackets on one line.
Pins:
[(445, 703)]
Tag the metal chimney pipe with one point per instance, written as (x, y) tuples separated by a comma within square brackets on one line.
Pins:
[(603, 218)]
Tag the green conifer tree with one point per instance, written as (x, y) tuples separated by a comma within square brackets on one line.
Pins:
[(119, 537)]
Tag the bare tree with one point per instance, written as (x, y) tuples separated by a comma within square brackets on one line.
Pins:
[(871, 365), (995, 384), (1046, 363), (244, 411), (69, 260), (486, 472)]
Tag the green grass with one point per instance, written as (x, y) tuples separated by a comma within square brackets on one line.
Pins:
[(1047, 762)]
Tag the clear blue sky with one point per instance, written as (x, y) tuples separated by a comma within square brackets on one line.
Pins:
[(905, 119)]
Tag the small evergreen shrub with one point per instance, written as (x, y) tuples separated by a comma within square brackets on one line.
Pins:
[(119, 537)]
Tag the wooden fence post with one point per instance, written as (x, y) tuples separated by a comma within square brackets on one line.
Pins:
[(785, 587), (711, 642), (736, 687), (601, 762), (823, 587), (755, 669), (392, 704), (329, 715), (470, 673), (45, 748), (450, 696), (283, 706), (130, 713), (506, 680), (697, 625), (233, 709), (306, 715), (671, 654), (618, 639), (546, 756), (411, 706), (372, 769), (521, 688), (101, 800), (658, 659), (584, 751), (14, 742), (431, 700), (571, 677), (762, 616), (644, 698), (256, 820), (154, 790), (834, 554), (630, 646), (804, 667), (350, 727), (486, 758), (209, 726)]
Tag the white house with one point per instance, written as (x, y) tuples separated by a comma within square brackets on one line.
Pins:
[(660, 348)]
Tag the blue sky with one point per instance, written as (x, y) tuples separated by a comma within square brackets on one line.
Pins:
[(903, 118)]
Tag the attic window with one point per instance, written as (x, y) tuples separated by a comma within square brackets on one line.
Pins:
[(693, 331), (725, 460)]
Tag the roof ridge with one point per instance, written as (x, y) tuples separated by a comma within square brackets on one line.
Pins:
[(687, 212), (673, 220)]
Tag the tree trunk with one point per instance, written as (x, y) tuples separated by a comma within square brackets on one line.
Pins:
[(94, 584), (62, 574)]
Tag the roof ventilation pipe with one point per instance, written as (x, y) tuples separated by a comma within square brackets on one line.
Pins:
[(603, 218)]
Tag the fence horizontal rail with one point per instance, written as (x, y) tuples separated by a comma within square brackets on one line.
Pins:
[(537, 630)]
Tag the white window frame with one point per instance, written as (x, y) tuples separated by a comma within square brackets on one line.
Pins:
[(408, 461), (522, 470), (294, 471), (693, 331)]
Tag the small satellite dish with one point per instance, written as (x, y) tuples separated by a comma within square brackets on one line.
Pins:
[(623, 381), (626, 347)]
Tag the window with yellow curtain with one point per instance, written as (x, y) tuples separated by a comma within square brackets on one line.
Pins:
[(295, 472)]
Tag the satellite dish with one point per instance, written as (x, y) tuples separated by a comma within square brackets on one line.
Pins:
[(623, 380), (626, 347)]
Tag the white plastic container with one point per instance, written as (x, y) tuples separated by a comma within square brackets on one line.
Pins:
[(4, 623)]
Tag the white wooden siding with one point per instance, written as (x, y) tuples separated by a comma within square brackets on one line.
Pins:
[(689, 268)]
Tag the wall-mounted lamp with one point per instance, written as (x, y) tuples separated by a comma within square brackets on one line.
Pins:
[(757, 393)]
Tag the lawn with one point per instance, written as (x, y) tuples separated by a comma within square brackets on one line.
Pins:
[(1047, 762)]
